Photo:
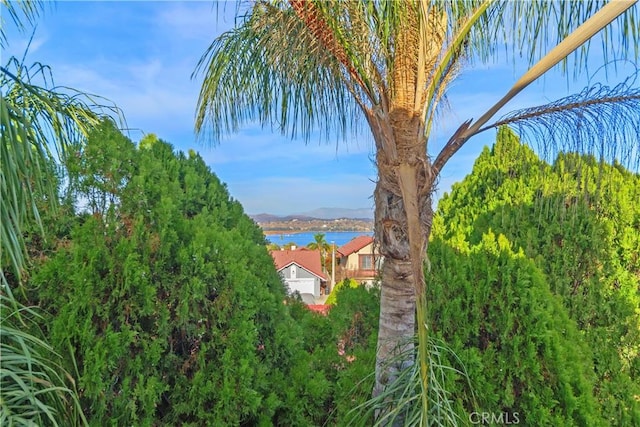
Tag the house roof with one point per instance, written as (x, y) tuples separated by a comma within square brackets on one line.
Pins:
[(354, 245), (305, 258), (319, 308)]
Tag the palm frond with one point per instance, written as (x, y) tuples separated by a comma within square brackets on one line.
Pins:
[(316, 65), (22, 14), (38, 125), (34, 388), (570, 44), (402, 400), (452, 53), (527, 29), (601, 120), (271, 70)]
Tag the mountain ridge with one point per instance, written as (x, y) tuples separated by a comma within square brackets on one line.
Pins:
[(363, 214)]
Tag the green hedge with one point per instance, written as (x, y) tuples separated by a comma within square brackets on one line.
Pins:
[(578, 221), (168, 297)]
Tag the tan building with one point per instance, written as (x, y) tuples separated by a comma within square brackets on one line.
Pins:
[(358, 260)]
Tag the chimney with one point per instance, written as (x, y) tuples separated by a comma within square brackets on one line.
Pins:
[(293, 247)]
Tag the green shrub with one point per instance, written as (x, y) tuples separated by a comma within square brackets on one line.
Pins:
[(346, 283), (341, 348), (578, 221), (523, 354), (169, 299)]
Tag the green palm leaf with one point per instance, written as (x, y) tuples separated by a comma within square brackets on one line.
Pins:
[(39, 126), (23, 14), (599, 116), (34, 388)]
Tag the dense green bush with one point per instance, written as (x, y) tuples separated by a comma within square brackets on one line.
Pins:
[(346, 283), (170, 303), (167, 295), (342, 348), (354, 320), (523, 354), (578, 220)]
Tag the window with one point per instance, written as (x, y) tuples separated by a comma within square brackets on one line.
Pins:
[(294, 271), (366, 262)]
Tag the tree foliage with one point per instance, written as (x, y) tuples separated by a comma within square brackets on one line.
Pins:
[(176, 304), (178, 311), (524, 356), (536, 270), (320, 244), (341, 347), (346, 283)]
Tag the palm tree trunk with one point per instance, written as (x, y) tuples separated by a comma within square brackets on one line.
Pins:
[(403, 223), (397, 299)]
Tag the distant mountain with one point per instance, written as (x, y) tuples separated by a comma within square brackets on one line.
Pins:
[(334, 213), (321, 213), (265, 217)]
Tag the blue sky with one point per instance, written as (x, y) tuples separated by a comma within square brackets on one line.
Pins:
[(141, 55)]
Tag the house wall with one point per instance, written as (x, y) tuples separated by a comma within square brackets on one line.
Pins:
[(301, 273), (350, 266), (353, 260)]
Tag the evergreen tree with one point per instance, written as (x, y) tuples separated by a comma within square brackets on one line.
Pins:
[(579, 221), (175, 305), (341, 347), (525, 358)]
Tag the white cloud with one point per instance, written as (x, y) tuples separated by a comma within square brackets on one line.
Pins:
[(17, 46), (139, 89), (288, 195), (195, 20), (252, 144)]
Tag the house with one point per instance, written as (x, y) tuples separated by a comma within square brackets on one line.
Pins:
[(358, 260), (301, 270)]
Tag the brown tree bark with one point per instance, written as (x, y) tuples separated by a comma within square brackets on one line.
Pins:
[(403, 217)]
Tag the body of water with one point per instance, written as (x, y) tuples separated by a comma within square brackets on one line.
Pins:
[(303, 239)]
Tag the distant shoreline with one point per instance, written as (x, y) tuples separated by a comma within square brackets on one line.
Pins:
[(296, 226), (274, 232)]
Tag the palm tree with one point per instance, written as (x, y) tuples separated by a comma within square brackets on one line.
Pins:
[(321, 245), (39, 125), (301, 66)]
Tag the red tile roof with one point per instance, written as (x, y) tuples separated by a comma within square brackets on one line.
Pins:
[(319, 308), (354, 245), (305, 258)]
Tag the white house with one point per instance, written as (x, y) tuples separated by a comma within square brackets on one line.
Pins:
[(301, 270)]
